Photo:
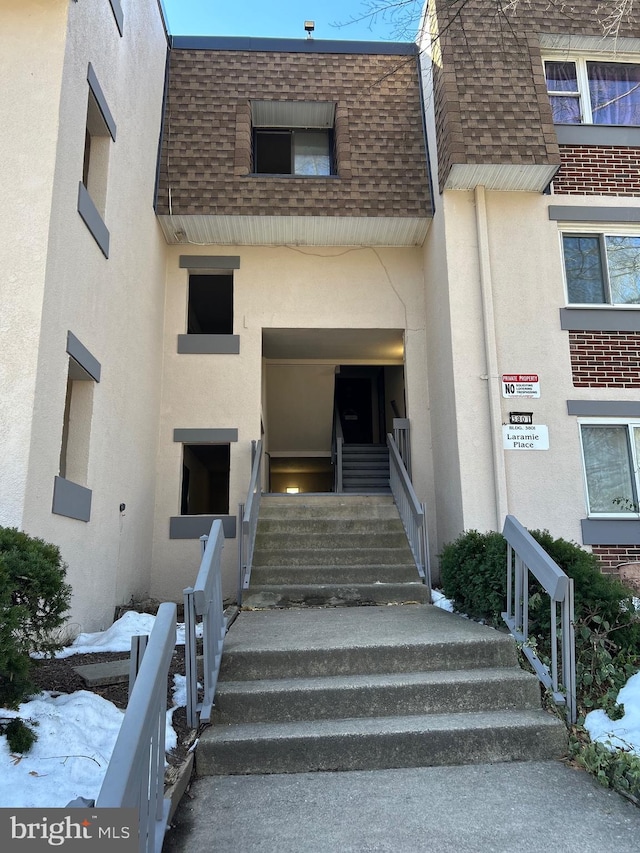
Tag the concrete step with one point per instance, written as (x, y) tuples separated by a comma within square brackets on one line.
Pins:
[(330, 526), (320, 642), (332, 557), (388, 694), (328, 506), (338, 540), (333, 595), (380, 742), (342, 574)]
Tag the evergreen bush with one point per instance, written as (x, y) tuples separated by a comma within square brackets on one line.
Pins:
[(473, 575), (34, 599)]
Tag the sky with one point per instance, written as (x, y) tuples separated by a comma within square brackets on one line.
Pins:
[(281, 19), (77, 731)]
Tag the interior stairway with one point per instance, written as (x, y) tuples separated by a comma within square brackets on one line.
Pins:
[(306, 688), (365, 468)]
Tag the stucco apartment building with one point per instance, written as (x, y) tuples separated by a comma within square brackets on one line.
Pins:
[(209, 241)]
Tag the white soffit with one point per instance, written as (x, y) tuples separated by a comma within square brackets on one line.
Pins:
[(293, 114), (295, 230), (509, 177)]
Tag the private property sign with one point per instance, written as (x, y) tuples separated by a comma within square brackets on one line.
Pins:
[(520, 385), (529, 437)]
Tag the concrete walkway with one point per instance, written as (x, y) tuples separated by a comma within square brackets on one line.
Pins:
[(523, 807)]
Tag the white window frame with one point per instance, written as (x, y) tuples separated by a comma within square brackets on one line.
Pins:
[(620, 230), (630, 424), (582, 77)]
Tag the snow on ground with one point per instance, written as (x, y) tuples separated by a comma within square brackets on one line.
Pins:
[(623, 733), (76, 732)]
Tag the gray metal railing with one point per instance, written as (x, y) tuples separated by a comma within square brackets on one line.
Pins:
[(337, 444), (204, 600), (524, 556), (412, 512), (403, 441), (135, 774), (248, 515)]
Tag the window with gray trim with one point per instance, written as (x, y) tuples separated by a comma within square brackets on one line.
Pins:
[(205, 479), (76, 425), (585, 91), (602, 269), (611, 451), (99, 131)]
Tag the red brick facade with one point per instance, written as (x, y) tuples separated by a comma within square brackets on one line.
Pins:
[(598, 170), (612, 556), (605, 359)]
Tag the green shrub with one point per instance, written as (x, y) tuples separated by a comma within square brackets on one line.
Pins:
[(473, 574), (20, 736), (598, 598), (34, 599)]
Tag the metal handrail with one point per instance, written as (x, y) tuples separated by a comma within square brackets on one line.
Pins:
[(412, 512), (402, 440), (248, 513), (204, 600), (524, 556), (135, 773), (337, 443)]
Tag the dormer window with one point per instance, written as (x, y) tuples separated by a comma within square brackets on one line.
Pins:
[(583, 91), (293, 138)]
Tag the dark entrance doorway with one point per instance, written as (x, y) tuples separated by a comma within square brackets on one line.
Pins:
[(359, 399)]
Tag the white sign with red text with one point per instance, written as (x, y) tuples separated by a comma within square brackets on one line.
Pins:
[(520, 385)]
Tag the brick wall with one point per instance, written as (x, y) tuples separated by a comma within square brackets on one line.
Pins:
[(605, 359), (612, 556), (598, 170), (490, 94), (205, 165)]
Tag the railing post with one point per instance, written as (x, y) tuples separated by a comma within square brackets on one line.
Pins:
[(241, 556), (190, 657), (339, 443)]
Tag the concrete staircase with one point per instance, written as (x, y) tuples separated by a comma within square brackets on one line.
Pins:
[(365, 468), (361, 688), (331, 550)]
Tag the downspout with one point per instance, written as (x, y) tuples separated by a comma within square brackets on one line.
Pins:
[(491, 355)]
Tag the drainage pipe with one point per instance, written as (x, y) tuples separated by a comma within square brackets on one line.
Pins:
[(491, 355)]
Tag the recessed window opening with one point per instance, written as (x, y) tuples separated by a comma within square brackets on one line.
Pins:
[(582, 91), (210, 306), (76, 427), (205, 479), (293, 137), (95, 167), (602, 269)]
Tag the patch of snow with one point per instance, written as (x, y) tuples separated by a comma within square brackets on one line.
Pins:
[(623, 733)]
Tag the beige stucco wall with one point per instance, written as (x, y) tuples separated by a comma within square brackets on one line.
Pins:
[(275, 287), (32, 37), (114, 307), (524, 281)]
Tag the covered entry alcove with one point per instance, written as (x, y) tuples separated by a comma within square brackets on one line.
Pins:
[(318, 382)]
